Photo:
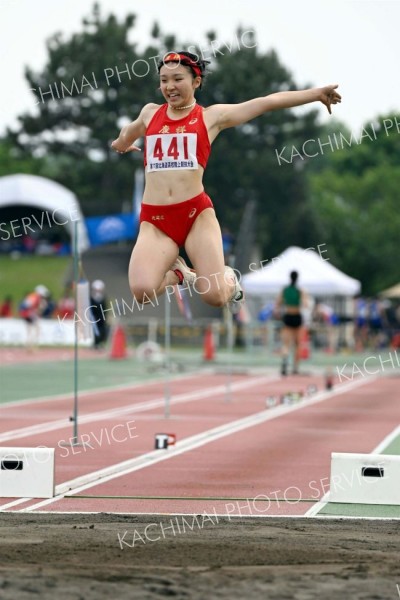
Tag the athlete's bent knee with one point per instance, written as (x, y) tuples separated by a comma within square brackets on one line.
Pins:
[(215, 298), (141, 293)]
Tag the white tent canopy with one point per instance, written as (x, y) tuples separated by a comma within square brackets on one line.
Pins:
[(317, 275), (60, 204)]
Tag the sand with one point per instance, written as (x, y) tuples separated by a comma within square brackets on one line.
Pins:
[(103, 556)]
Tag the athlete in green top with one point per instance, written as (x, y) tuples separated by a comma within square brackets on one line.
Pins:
[(290, 301)]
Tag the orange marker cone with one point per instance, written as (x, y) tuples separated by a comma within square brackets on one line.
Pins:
[(208, 344), (304, 344), (118, 344)]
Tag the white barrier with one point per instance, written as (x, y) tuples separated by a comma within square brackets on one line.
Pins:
[(365, 478), (26, 472), (51, 332)]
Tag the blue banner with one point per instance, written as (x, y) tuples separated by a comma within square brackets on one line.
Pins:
[(112, 228)]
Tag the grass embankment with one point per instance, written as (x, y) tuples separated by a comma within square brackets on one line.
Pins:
[(21, 275)]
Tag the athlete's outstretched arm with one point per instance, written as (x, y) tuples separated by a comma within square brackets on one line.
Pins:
[(230, 115), (130, 133)]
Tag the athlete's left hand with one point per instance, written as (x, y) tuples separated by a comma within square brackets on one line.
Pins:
[(329, 96), (122, 148)]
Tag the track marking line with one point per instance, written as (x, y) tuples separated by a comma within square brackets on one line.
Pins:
[(387, 441), (314, 510), (124, 468), (14, 503), (131, 408), (96, 391), (189, 498)]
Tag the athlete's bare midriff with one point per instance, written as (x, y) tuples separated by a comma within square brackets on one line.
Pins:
[(292, 310), (171, 187)]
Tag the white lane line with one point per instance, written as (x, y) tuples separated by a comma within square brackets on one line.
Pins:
[(314, 510), (96, 391), (103, 475), (14, 503), (131, 408), (387, 441)]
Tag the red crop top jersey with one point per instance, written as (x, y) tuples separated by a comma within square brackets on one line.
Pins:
[(176, 143)]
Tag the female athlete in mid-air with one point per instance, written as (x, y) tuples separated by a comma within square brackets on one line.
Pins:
[(176, 212)]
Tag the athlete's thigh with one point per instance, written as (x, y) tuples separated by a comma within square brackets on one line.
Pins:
[(296, 335), (204, 248), (285, 335), (152, 256)]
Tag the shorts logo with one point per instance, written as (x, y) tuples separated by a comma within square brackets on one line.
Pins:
[(157, 218), (192, 212), (193, 121)]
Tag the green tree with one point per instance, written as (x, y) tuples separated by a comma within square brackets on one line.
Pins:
[(13, 161), (355, 198)]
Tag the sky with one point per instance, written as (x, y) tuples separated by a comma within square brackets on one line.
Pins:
[(354, 43)]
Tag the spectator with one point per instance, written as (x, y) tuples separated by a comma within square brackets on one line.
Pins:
[(324, 314), (30, 310), (360, 323), (98, 304), (376, 315), (49, 307), (66, 305), (6, 309)]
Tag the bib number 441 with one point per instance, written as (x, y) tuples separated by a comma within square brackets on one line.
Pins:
[(172, 151), (172, 147)]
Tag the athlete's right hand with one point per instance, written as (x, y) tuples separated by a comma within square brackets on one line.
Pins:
[(122, 148)]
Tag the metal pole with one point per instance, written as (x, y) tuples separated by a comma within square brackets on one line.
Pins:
[(229, 340), (167, 346), (76, 280)]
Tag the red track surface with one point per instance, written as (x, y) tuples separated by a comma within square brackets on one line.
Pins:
[(288, 456)]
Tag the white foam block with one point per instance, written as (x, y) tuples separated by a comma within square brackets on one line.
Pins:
[(365, 478), (26, 472)]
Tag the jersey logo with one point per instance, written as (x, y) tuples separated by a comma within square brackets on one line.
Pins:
[(193, 121)]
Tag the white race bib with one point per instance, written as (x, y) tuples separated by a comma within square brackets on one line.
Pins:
[(171, 151)]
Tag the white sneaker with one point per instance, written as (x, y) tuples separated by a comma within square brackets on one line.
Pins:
[(189, 275), (237, 300)]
